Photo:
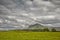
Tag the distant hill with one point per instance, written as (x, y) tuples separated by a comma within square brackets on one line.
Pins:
[(39, 26), (36, 26)]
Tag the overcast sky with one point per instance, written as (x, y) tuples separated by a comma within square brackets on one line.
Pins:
[(15, 14)]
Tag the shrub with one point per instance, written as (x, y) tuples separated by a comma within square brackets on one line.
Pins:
[(46, 29), (53, 30)]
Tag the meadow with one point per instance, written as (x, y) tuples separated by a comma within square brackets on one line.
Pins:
[(22, 35)]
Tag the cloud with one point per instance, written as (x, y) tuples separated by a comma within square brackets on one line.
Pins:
[(17, 14)]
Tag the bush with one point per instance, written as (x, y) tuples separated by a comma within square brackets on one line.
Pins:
[(46, 29), (53, 30)]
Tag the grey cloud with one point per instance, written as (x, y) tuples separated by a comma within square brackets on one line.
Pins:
[(21, 13)]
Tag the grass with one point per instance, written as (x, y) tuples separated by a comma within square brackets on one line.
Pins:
[(22, 35)]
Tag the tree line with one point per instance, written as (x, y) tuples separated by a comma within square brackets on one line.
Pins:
[(41, 30)]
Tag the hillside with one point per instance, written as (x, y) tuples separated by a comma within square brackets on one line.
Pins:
[(36, 26), (39, 26)]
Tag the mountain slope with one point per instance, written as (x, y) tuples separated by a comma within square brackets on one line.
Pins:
[(39, 26), (36, 26)]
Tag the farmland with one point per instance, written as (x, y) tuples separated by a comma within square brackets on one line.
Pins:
[(23, 35)]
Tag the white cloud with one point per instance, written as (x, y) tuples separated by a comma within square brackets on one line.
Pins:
[(50, 25), (1, 21), (11, 17), (47, 17), (28, 2), (20, 20)]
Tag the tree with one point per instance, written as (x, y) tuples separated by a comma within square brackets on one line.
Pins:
[(53, 30), (46, 29)]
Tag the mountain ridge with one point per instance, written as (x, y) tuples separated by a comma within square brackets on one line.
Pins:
[(39, 26)]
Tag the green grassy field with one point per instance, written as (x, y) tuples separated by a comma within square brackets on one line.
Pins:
[(21, 35)]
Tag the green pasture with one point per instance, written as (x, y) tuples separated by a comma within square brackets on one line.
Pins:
[(22, 35)]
